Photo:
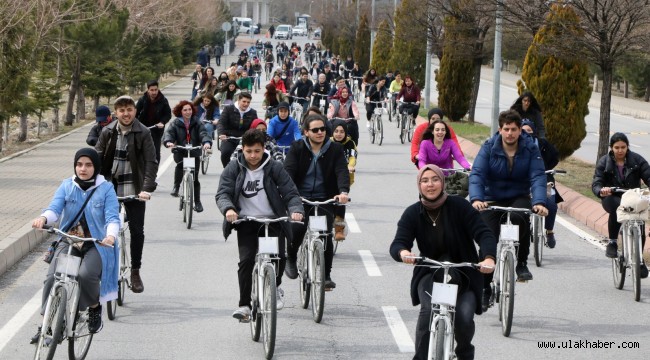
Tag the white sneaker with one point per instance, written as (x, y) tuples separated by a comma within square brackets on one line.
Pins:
[(279, 299), (243, 314)]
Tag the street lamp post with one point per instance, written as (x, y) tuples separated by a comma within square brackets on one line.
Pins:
[(372, 27), (496, 80)]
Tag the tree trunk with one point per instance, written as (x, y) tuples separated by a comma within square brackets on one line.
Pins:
[(5, 134), (646, 97), (72, 91), (476, 82), (38, 125), (81, 103), (95, 102), (596, 83), (626, 89), (59, 55), (605, 103), (22, 135), (2, 135)]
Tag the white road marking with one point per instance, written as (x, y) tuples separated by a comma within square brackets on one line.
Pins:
[(352, 223), (581, 233), (19, 320), (636, 146), (164, 166), (398, 328), (369, 262)]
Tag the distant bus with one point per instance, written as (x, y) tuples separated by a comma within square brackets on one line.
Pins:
[(303, 21), (243, 24)]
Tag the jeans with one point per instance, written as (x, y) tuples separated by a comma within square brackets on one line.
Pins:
[(551, 205), (464, 327), (299, 231), (209, 127), (247, 235), (135, 211), (90, 274)]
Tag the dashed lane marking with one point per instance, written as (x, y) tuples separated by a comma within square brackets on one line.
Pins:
[(369, 262), (352, 223), (165, 165), (398, 328), (19, 320)]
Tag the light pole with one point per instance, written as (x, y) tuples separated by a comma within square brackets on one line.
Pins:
[(372, 27), (496, 80)]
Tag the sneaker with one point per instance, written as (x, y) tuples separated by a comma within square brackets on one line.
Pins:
[(523, 274), (291, 269), (643, 271), (174, 192), (243, 314), (339, 231), (550, 240), (94, 319), (487, 295), (612, 249), (329, 284), (279, 298)]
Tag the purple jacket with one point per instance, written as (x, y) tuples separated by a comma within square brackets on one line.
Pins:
[(444, 158)]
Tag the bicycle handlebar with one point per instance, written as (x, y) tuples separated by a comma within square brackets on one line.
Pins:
[(264, 220), (129, 198), (70, 239), (425, 261), (328, 201), (186, 147), (297, 97), (510, 209), (456, 169), (343, 119)]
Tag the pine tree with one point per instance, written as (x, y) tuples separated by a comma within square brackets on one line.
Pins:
[(409, 46), (362, 43), (454, 78), (382, 48), (560, 85)]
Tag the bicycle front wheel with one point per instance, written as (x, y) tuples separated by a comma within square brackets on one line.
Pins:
[(437, 340), (269, 311), (318, 281), (205, 162), (303, 273), (635, 260), (371, 129), (409, 129), (400, 125), (125, 265), (52, 327), (189, 199), (79, 343), (538, 238), (255, 317), (508, 294), (380, 130)]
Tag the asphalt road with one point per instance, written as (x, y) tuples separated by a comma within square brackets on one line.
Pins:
[(191, 287)]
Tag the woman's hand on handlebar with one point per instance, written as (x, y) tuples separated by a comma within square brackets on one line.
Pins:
[(39, 222), (206, 146), (109, 240), (296, 217), (342, 198), (480, 205), (407, 257), (169, 145), (222, 137), (606, 191)]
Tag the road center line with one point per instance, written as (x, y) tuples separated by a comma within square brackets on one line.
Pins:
[(352, 223), (369, 262), (19, 320), (165, 165), (398, 328)]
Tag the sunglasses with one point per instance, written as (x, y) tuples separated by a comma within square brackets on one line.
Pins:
[(317, 130)]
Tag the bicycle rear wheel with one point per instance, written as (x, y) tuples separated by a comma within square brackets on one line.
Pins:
[(635, 260), (508, 295), (318, 282), (538, 238), (256, 317), (437, 339), (53, 325), (79, 343), (303, 273), (189, 200), (380, 130), (269, 311)]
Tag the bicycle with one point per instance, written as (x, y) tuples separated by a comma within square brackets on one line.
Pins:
[(264, 291), (61, 318), (443, 308), (233, 157), (268, 66), (321, 102), (537, 230), (629, 250), (280, 153), (205, 155), (311, 261), (392, 111), (503, 283), (376, 129), (186, 204), (296, 107), (406, 124), (356, 92), (123, 239), (256, 81)]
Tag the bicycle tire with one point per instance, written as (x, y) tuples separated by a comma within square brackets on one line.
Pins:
[(538, 243), (635, 261), (508, 295), (269, 319), (380, 130), (218, 143), (318, 282), (79, 343), (390, 111), (371, 129), (437, 339), (255, 318), (409, 128), (53, 319), (303, 273), (335, 246), (111, 308), (205, 162), (189, 203), (125, 265), (400, 127)]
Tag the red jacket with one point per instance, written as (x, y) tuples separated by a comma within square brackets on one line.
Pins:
[(279, 86)]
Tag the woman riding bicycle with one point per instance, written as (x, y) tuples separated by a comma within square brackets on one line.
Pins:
[(207, 108), (409, 93), (624, 169), (434, 114), (445, 229), (272, 98), (186, 129), (340, 135), (342, 106), (86, 205), (439, 149)]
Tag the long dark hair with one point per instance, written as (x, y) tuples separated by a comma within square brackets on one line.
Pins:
[(271, 94), (209, 111), (428, 133)]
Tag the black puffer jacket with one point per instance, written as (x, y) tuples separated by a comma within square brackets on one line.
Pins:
[(162, 111), (177, 134), (231, 122), (636, 169)]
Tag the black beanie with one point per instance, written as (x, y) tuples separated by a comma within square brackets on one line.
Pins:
[(94, 157), (434, 111)]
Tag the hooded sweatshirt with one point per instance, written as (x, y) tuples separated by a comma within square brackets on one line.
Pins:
[(253, 200)]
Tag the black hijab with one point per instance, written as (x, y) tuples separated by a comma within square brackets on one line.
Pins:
[(94, 157)]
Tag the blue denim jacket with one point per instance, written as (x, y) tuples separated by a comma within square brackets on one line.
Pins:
[(101, 210)]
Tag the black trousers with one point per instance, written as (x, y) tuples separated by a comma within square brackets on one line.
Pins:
[(227, 148), (494, 219), (247, 235), (156, 136), (299, 231), (464, 326), (610, 204), (178, 175), (353, 131), (217, 58), (411, 108), (135, 211)]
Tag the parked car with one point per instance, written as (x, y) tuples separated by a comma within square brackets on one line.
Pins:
[(283, 32), (317, 33), (299, 31)]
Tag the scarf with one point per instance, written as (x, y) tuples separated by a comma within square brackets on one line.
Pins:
[(339, 97), (431, 205), (94, 157)]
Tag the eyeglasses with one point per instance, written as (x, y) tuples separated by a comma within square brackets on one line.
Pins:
[(317, 130)]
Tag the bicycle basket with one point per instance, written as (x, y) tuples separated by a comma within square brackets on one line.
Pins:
[(188, 162), (268, 245), (634, 205), (457, 184), (67, 265), (379, 110)]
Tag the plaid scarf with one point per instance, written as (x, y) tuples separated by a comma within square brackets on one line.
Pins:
[(121, 171)]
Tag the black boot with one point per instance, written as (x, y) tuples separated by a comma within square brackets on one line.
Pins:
[(198, 207), (174, 192)]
